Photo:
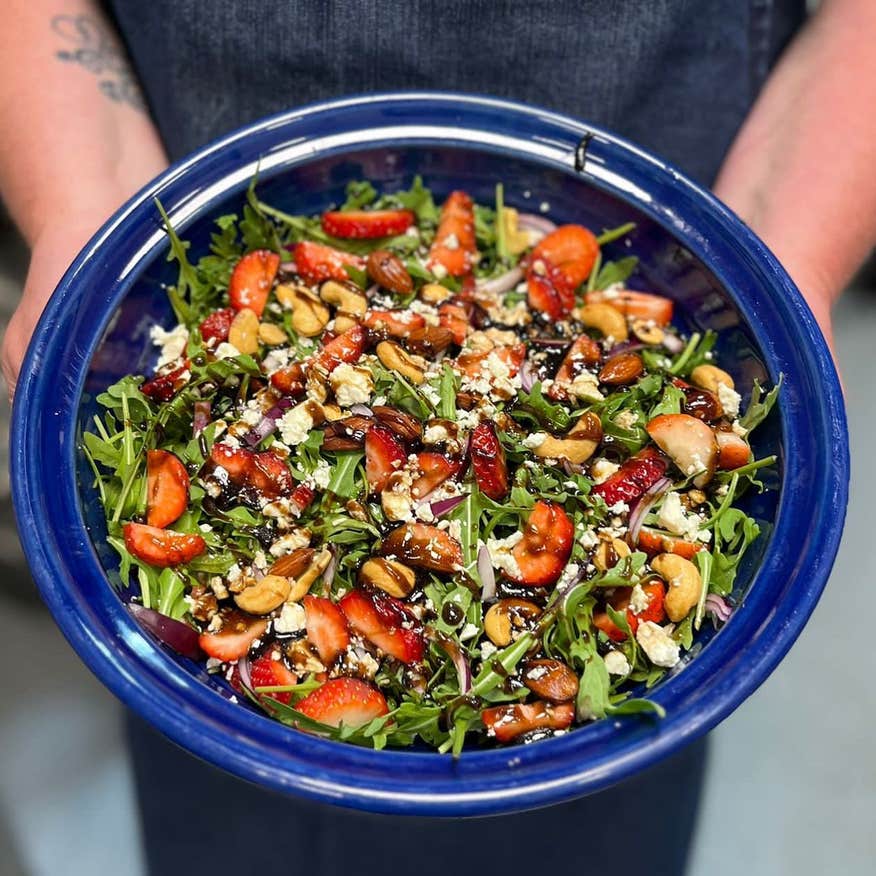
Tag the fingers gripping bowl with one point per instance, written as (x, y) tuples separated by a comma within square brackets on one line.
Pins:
[(691, 249)]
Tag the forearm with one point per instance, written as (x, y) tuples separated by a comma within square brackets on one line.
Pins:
[(76, 140), (802, 171)]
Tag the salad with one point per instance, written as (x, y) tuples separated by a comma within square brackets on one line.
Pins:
[(417, 471)]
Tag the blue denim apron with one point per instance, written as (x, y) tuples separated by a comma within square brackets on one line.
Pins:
[(676, 76)]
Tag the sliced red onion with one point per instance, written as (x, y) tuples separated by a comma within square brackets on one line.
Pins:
[(362, 411), (673, 343), (565, 591), (328, 576), (527, 376), (460, 662), (371, 291), (533, 222), (445, 506), (503, 283), (245, 676), (573, 468), (175, 634), (644, 505), (626, 347), (289, 267), (488, 576), (268, 423), (201, 417), (718, 607)]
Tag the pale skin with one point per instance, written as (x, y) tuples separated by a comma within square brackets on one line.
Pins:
[(76, 143)]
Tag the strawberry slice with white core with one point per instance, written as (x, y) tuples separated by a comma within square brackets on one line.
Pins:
[(346, 701), (326, 627), (384, 621), (688, 442), (234, 639), (384, 455)]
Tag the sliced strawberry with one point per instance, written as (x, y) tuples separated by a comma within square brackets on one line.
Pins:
[(162, 547), (435, 468), (345, 347), (163, 387), (291, 381), (252, 279), (637, 305), (513, 720), (346, 701), (583, 353), (653, 543), (733, 451), (454, 247), (384, 455), (423, 547), (656, 592), (167, 488), (326, 628), (264, 472), (215, 327), (633, 478), (301, 497), (488, 461), (688, 442), (454, 317), (366, 224), (233, 640), (557, 266), (393, 323), (265, 671), (316, 262), (543, 552), (384, 621)]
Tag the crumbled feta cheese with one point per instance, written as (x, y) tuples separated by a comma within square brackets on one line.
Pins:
[(435, 434), (619, 508), (226, 351), (616, 663), (352, 384), (439, 271), (586, 386), (569, 574), (469, 631), (487, 650), (285, 544), (322, 474), (639, 600), (626, 419), (729, 399), (534, 440), (739, 429), (291, 619), (671, 516), (601, 470), (295, 424), (588, 539), (661, 648), (501, 557), (696, 465), (277, 359), (172, 343)]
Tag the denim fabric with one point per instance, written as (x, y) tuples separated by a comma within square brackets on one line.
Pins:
[(676, 76)]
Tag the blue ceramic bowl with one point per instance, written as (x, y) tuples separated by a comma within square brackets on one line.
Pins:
[(95, 329)]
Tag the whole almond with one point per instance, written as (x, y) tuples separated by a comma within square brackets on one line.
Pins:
[(387, 270), (622, 369), (407, 428), (429, 340), (292, 565), (550, 679), (346, 434)]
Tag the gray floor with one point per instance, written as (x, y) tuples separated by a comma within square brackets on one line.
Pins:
[(792, 783)]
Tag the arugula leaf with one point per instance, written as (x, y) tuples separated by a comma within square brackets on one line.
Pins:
[(343, 478), (760, 405), (535, 407), (419, 199), (616, 272), (611, 234), (360, 193)]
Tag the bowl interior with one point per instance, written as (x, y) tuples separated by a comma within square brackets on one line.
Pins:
[(665, 267), (96, 329)]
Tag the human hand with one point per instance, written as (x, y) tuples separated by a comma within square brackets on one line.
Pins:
[(52, 252)]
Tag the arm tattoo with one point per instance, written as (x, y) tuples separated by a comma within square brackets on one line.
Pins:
[(93, 47)]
